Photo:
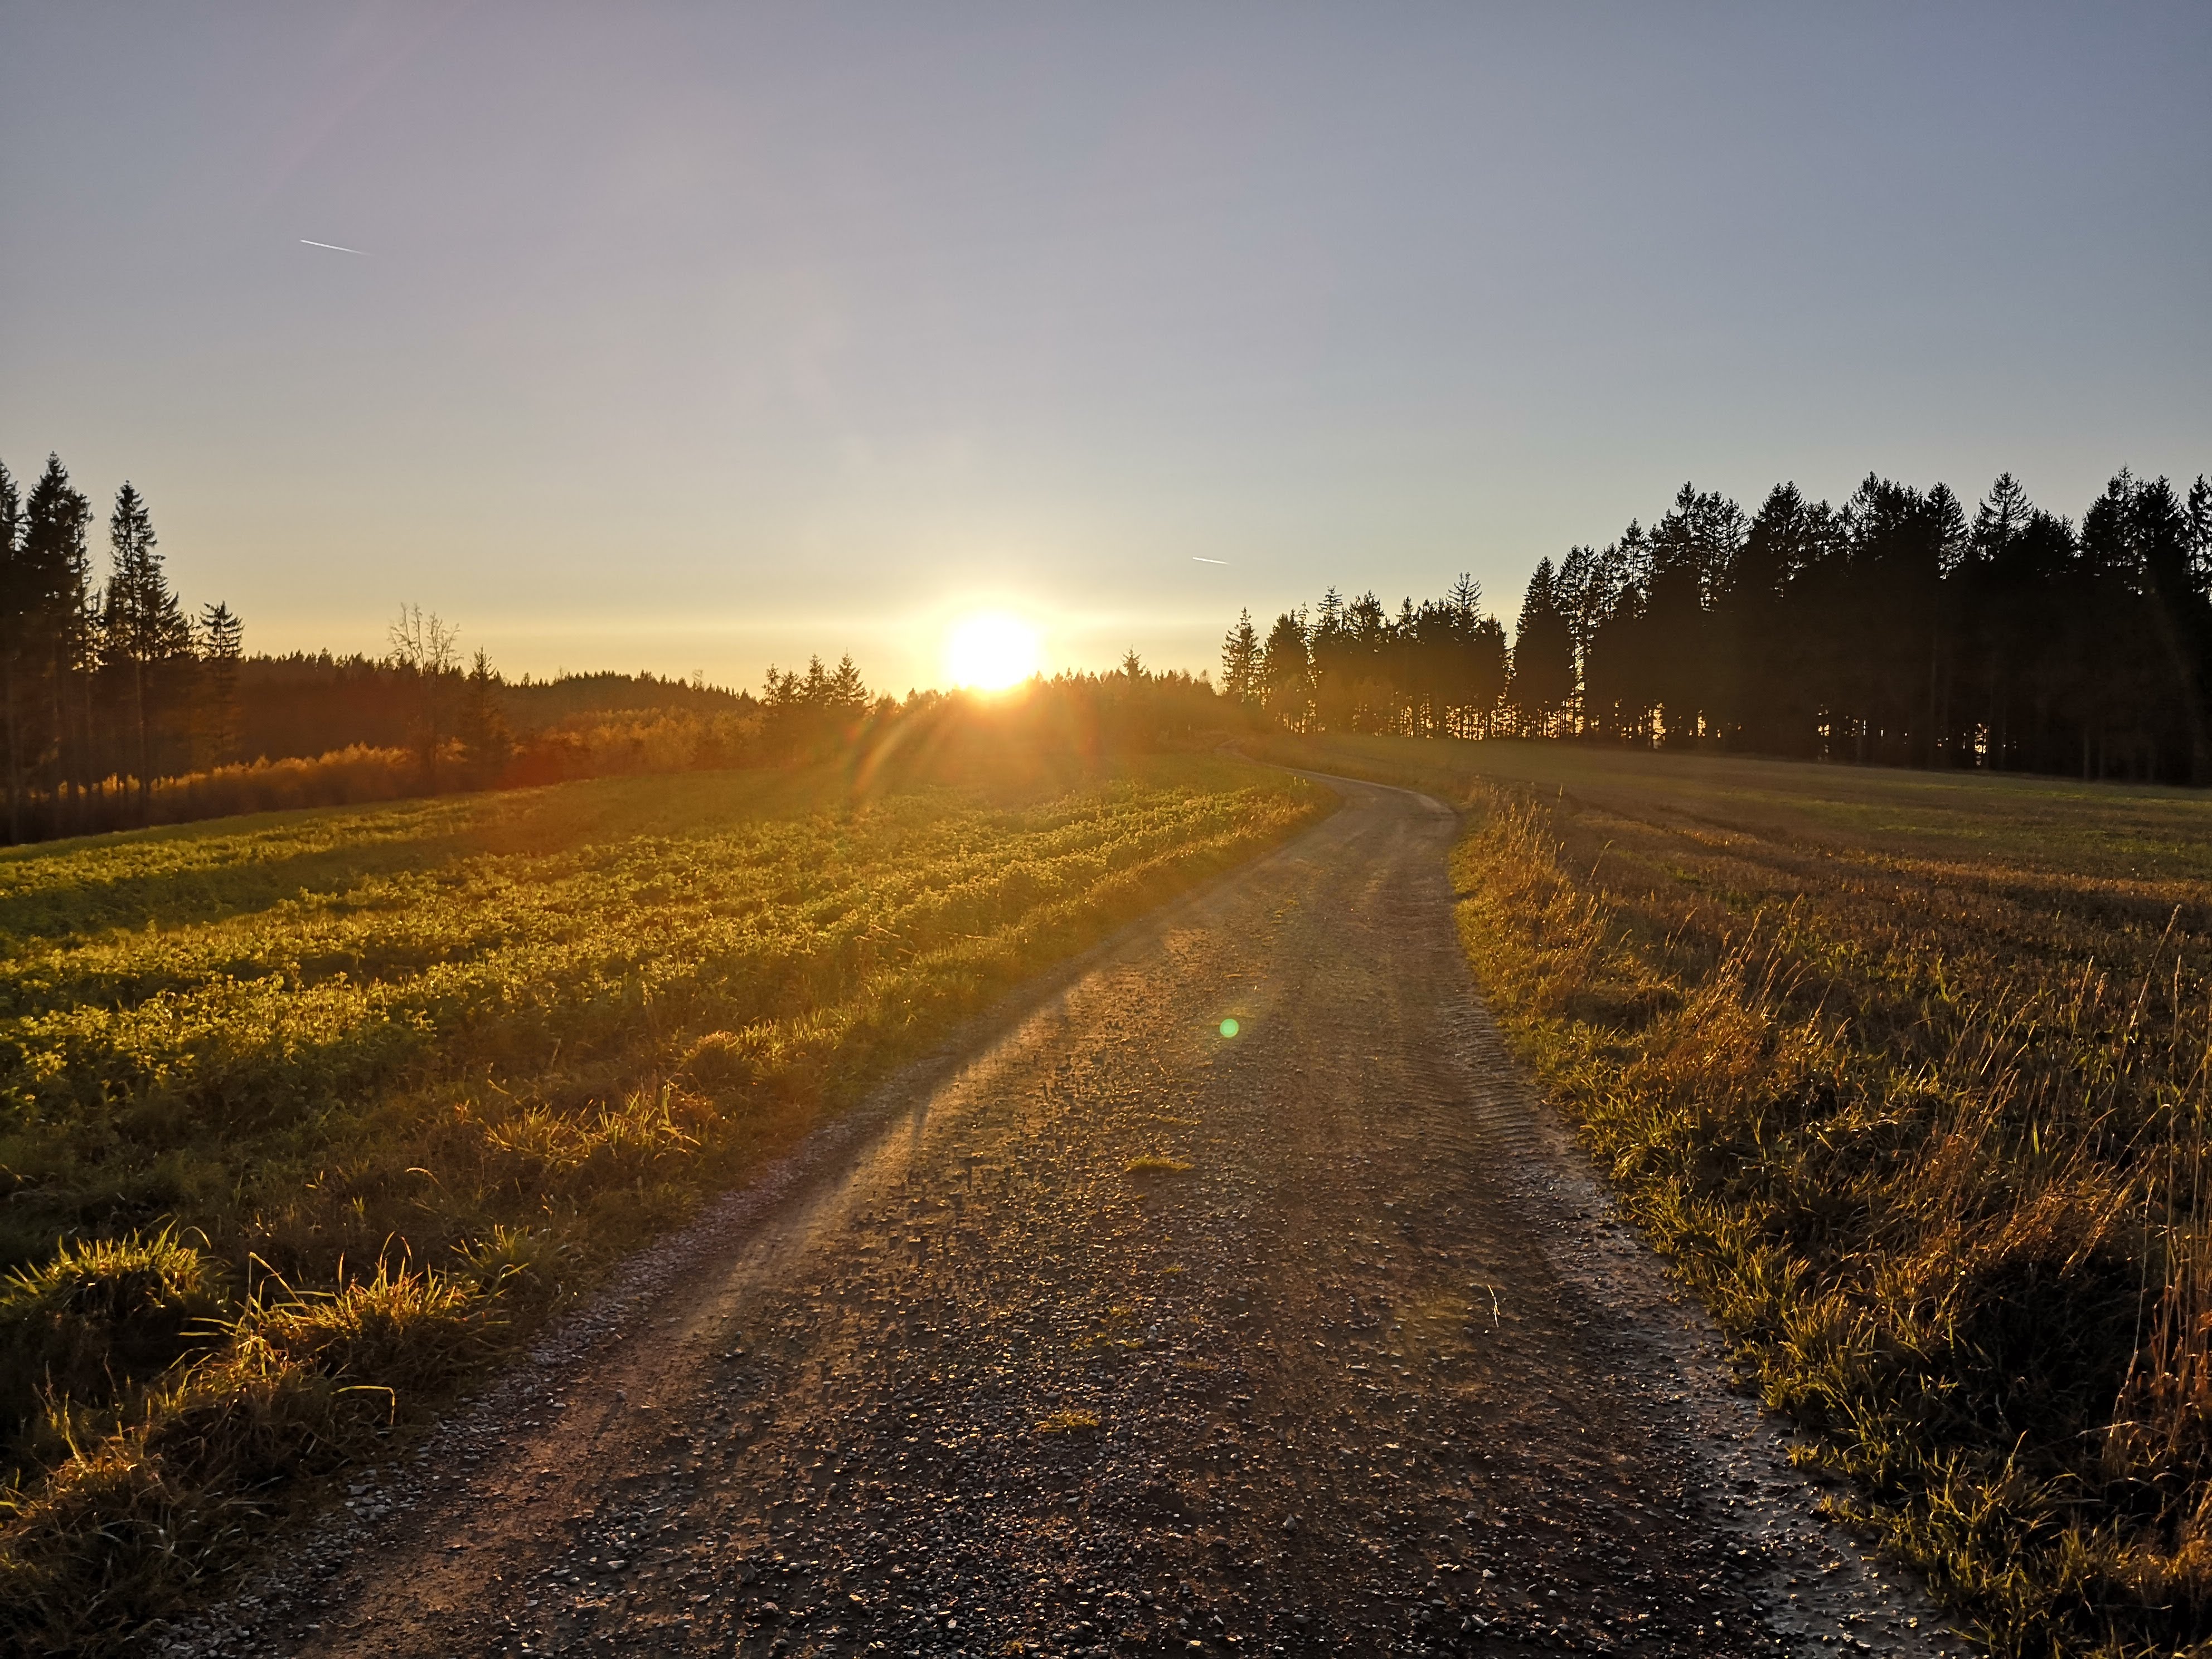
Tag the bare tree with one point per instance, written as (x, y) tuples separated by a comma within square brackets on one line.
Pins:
[(426, 646)]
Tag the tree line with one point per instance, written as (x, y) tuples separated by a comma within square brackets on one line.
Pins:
[(1896, 628), (1440, 669), (118, 709), (100, 679)]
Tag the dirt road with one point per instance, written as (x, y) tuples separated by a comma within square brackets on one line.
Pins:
[(1125, 1335)]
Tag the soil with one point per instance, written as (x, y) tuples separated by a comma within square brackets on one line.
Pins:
[(1118, 1334)]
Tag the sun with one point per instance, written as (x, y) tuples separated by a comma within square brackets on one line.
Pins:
[(990, 651)]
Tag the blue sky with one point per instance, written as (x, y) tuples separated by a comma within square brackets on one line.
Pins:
[(700, 336)]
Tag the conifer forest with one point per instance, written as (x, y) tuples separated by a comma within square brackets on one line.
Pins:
[(1896, 630)]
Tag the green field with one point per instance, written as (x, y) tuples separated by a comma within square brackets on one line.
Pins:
[(1909, 1075), (304, 1119)]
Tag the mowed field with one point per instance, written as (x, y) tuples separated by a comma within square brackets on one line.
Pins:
[(306, 1119), (1908, 1073)]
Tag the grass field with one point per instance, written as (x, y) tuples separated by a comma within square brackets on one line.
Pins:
[(1908, 1073), (306, 1119)]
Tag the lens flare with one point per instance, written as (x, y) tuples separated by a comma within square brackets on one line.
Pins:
[(1229, 1028), (990, 652)]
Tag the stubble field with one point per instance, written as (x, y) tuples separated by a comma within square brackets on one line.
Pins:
[(1908, 1075)]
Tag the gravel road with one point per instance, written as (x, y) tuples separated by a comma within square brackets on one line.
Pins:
[(1120, 1333)]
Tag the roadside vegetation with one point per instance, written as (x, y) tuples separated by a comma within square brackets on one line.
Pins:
[(307, 1119), (1908, 1076)]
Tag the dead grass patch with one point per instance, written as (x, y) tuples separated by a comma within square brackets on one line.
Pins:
[(1911, 1078)]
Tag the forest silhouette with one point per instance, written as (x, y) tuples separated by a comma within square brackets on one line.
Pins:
[(1894, 629)]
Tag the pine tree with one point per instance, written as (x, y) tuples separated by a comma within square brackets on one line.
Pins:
[(1286, 672), (2003, 514), (222, 644), (2175, 617), (1329, 651), (844, 697), (1364, 666), (142, 631), (1543, 654), (1482, 675), (783, 712), (17, 606), (1692, 548), (1240, 661), (1471, 678), (2200, 533), (487, 744), (1620, 693), (59, 632)]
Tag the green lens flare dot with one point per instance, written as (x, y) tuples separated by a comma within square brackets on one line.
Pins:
[(1229, 1028)]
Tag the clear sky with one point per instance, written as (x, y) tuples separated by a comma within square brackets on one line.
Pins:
[(695, 336)]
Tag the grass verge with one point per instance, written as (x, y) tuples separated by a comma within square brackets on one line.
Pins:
[(1908, 1076), (305, 1120)]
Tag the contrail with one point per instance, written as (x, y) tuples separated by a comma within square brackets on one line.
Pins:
[(333, 247), (1194, 559)]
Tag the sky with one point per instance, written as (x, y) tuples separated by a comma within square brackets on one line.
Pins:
[(696, 337)]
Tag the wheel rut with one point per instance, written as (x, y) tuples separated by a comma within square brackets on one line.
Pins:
[(1129, 1335)]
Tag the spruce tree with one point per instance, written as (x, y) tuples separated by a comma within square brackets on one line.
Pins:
[(1465, 598), (844, 695), (1482, 674), (1543, 654), (1287, 670), (222, 638), (2003, 514), (487, 744), (15, 611), (2200, 534), (142, 631), (59, 631), (1330, 651), (1240, 661)]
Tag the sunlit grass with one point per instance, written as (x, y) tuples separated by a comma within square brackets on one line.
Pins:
[(330, 1108)]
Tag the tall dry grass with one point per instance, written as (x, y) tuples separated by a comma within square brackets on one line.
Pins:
[(1929, 1137)]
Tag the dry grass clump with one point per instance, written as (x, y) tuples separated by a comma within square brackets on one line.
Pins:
[(171, 1481), (98, 1318), (304, 1122)]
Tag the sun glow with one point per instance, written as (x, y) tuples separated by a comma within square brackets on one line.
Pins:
[(990, 652)]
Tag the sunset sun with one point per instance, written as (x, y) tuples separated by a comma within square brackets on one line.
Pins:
[(990, 652)]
